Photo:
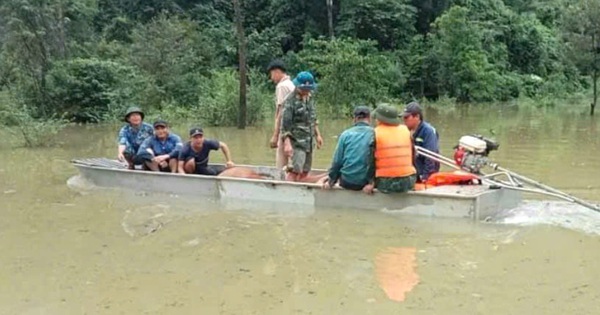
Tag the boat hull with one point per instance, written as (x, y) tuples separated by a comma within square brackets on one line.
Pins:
[(475, 201)]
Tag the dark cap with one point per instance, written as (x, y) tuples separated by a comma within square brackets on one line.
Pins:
[(361, 111), (160, 122), (413, 108), (276, 64), (196, 131)]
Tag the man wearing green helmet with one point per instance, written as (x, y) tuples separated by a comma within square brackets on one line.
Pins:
[(299, 127), (132, 135)]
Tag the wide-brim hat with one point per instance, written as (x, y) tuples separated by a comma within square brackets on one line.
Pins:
[(387, 114), (132, 110)]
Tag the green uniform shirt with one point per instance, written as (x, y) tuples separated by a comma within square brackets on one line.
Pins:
[(299, 121)]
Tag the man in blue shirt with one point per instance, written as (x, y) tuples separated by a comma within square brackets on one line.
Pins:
[(160, 151), (132, 135), (352, 167), (423, 135), (193, 158)]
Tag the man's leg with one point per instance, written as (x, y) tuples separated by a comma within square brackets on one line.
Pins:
[(173, 165), (153, 166), (280, 159), (205, 170), (298, 161), (350, 186), (189, 167), (306, 167)]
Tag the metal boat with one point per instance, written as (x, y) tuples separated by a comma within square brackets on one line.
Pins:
[(476, 202)]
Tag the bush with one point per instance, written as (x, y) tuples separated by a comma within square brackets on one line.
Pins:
[(90, 90), (34, 132)]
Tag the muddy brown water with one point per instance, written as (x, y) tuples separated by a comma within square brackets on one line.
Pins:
[(69, 251)]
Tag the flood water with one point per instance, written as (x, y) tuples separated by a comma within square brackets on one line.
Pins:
[(70, 251)]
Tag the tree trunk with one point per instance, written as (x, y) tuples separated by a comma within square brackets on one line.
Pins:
[(423, 71), (62, 38), (239, 19), (330, 17), (595, 78), (595, 66)]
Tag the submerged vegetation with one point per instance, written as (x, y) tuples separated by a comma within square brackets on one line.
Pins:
[(85, 61)]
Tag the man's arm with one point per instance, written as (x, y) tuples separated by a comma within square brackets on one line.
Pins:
[(181, 160), (280, 95), (287, 119), (180, 166), (371, 161), (178, 147), (122, 140), (226, 153), (338, 158)]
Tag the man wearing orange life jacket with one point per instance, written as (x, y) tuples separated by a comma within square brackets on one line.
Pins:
[(393, 154)]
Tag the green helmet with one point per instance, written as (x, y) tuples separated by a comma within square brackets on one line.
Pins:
[(132, 110)]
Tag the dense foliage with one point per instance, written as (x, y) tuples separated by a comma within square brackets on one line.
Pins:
[(86, 60)]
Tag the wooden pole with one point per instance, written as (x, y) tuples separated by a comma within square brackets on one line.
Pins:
[(239, 20)]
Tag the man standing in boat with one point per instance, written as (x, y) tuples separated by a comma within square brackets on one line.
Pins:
[(132, 135), (284, 87), (299, 127), (351, 166), (160, 151), (423, 135), (393, 154), (193, 158)]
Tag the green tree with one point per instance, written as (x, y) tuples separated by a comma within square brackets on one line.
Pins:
[(389, 22), (349, 72), (582, 30), (173, 54)]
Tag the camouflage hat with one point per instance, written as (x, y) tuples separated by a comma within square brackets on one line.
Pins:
[(132, 110), (387, 114)]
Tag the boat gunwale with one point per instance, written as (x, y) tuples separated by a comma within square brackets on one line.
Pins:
[(423, 193)]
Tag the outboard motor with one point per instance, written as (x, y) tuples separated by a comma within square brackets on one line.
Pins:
[(472, 152)]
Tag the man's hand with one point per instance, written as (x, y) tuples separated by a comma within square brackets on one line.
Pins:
[(326, 185), (161, 159), (288, 150), (229, 164), (273, 142), (319, 141), (121, 157), (368, 189)]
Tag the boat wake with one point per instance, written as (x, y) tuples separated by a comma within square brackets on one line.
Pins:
[(556, 213)]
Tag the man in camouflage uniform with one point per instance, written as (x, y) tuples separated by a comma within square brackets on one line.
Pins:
[(299, 127), (132, 135)]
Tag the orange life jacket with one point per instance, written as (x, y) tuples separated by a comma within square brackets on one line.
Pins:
[(393, 151), (451, 178)]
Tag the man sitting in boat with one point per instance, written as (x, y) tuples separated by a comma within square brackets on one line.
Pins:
[(193, 158), (160, 151), (132, 135), (299, 130), (351, 165), (425, 136), (393, 154)]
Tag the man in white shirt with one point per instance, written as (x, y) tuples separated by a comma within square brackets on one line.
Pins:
[(284, 88)]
